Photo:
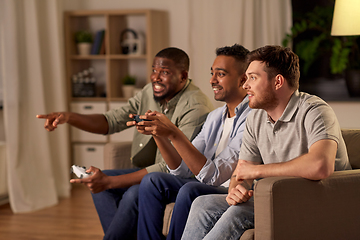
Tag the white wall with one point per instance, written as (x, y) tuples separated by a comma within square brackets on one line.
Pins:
[(2, 130), (348, 113)]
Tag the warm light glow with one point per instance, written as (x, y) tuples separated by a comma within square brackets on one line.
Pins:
[(346, 19)]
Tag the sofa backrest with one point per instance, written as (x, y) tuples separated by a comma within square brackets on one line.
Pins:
[(352, 141)]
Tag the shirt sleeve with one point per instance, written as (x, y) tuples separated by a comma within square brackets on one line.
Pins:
[(192, 121), (249, 150), (182, 171), (117, 118), (199, 143), (218, 170), (158, 167), (321, 123)]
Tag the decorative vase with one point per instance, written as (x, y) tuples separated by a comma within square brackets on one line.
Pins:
[(84, 48), (128, 91), (352, 79)]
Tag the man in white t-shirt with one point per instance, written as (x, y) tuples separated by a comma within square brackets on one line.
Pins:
[(212, 156)]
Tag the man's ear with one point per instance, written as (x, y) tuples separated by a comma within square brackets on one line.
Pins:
[(279, 81), (242, 80), (184, 76)]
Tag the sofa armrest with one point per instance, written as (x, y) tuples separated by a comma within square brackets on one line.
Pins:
[(117, 155), (167, 218), (297, 208)]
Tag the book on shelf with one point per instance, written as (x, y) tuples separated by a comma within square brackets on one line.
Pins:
[(99, 38), (102, 48)]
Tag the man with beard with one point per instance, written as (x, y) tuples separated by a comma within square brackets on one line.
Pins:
[(115, 192), (211, 156), (289, 133)]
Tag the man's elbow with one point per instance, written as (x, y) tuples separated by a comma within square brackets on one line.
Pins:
[(323, 170)]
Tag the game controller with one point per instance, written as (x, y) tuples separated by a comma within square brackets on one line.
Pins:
[(137, 119), (80, 172)]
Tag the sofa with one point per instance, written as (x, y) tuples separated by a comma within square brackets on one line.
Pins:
[(290, 207)]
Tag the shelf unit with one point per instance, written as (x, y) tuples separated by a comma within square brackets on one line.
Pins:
[(110, 67)]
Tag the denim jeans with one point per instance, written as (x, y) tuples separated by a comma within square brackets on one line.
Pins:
[(211, 218), (157, 190), (118, 208)]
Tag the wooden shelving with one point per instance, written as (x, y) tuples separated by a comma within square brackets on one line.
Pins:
[(110, 67)]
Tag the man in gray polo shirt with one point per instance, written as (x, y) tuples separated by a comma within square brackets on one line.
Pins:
[(289, 134)]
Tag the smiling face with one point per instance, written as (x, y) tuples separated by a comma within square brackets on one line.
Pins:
[(226, 79), (167, 79), (260, 89)]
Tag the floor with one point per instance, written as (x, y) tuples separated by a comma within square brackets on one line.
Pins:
[(74, 218)]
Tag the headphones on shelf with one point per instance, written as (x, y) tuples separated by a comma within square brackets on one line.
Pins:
[(131, 45)]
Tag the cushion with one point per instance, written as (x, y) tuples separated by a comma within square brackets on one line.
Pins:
[(352, 141)]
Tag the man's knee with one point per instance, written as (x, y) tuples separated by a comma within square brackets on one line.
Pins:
[(243, 209), (132, 194), (210, 202), (109, 172), (189, 191), (197, 204), (151, 179)]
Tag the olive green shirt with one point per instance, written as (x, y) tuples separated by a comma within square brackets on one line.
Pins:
[(187, 110)]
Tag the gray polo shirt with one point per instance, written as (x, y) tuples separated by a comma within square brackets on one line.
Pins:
[(306, 120)]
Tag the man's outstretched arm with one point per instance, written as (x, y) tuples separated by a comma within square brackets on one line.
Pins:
[(94, 123)]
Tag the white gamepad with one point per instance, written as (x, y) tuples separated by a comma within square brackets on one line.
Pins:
[(80, 172)]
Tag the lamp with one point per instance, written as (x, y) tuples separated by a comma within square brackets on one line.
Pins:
[(346, 22), (346, 19)]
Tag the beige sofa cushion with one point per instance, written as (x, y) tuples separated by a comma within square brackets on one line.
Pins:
[(117, 155), (352, 141)]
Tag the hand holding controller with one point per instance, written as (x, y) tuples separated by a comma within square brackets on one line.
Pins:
[(137, 119), (80, 172)]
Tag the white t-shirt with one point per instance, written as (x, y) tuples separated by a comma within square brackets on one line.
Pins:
[(224, 141)]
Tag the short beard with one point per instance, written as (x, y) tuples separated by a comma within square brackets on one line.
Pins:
[(163, 97), (269, 102), (159, 99)]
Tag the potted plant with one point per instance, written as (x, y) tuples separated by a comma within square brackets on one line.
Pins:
[(84, 41), (128, 86), (346, 56), (312, 39), (312, 42)]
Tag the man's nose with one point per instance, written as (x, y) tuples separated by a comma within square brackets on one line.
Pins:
[(246, 85), (155, 77), (213, 79)]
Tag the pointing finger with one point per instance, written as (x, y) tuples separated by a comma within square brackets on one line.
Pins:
[(42, 116)]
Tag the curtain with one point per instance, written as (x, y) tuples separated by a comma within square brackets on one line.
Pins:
[(213, 24), (33, 82)]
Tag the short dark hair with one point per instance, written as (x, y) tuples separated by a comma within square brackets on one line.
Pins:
[(180, 58), (278, 60), (236, 51)]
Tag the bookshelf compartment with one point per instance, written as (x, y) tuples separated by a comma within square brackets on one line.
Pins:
[(91, 23), (121, 27), (97, 77)]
